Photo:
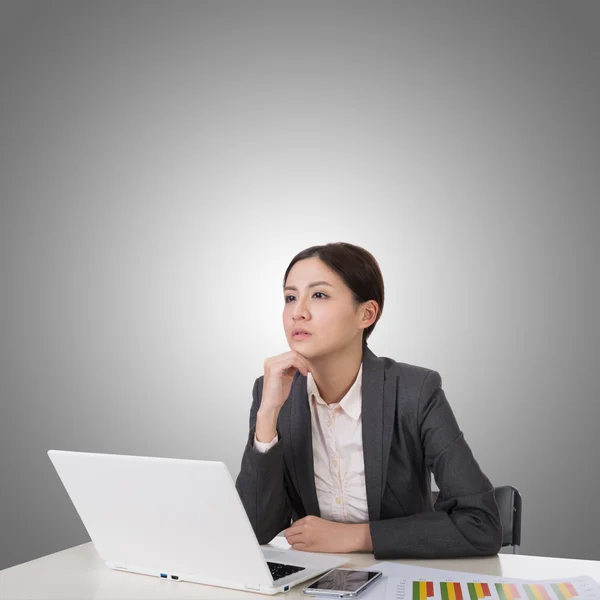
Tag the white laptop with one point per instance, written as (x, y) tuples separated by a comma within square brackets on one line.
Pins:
[(178, 519)]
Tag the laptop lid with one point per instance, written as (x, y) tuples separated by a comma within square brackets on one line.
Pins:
[(164, 514)]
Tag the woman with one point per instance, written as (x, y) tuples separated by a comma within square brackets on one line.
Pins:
[(343, 442)]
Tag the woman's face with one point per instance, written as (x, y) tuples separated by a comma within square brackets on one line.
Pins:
[(325, 310)]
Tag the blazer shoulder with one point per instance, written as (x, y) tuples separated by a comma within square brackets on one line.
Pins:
[(401, 368), (412, 377)]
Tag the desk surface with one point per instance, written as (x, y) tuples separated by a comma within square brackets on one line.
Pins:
[(79, 573)]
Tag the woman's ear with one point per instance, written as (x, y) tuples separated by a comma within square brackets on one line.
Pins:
[(370, 309)]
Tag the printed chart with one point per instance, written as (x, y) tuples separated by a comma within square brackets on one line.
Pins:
[(458, 588)]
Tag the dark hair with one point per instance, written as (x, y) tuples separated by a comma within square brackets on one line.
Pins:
[(357, 268)]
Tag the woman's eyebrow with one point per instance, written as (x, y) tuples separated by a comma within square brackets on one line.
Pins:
[(310, 285)]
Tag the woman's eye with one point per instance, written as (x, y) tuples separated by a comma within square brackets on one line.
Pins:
[(321, 293)]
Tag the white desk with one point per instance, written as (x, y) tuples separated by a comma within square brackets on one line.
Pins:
[(78, 573)]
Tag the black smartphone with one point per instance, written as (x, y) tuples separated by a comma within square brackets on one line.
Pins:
[(342, 583)]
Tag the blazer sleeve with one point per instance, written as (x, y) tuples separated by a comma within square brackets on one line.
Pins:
[(261, 483), (466, 520)]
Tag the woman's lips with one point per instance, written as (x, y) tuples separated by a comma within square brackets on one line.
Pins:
[(301, 336)]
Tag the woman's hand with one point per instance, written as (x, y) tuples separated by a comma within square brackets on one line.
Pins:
[(279, 374), (313, 534)]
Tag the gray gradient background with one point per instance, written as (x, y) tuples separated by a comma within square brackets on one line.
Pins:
[(162, 163)]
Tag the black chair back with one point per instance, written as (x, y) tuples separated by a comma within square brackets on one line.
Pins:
[(509, 503)]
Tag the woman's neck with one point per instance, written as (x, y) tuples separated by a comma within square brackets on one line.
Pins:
[(334, 374)]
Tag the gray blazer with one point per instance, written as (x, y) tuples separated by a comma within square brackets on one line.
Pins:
[(409, 431)]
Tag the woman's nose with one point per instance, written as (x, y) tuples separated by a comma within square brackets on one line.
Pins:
[(299, 309)]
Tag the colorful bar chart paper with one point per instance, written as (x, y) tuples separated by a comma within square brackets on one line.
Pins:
[(451, 590), (508, 591), (423, 590), (407, 582), (536, 591), (564, 591), (478, 590)]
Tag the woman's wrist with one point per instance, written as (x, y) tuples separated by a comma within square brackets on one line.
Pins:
[(266, 424), (362, 538)]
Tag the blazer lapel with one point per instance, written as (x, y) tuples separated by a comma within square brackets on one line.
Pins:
[(378, 407), (301, 442)]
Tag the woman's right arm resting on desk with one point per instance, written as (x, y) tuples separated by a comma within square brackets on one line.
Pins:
[(261, 484)]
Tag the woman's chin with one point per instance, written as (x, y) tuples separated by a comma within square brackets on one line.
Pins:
[(304, 347)]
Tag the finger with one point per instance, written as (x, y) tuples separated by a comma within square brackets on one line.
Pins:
[(288, 366), (298, 362), (291, 532), (300, 365), (295, 537), (287, 371), (303, 361), (284, 367), (300, 546)]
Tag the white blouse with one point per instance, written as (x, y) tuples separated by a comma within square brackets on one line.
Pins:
[(337, 454)]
